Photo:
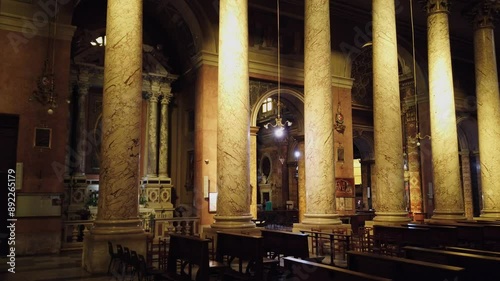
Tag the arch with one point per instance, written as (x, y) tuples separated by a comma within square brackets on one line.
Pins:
[(198, 23), (467, 133), (365, 146), (285, 92)]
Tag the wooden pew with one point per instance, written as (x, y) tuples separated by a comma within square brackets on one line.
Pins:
[(403, 269), (287, 244), (476, 266), (438, 236), (389, 240), (242, 254), (469, 234), (299, 269), (473, 251), (188, 259), (491, 235)]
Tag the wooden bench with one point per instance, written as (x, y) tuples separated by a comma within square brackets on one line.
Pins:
[(473, 251), (299, 269), (242, 255), (439, 236), (188, 259), (389, 240), (469, 234), (278, 244), (402, 269), (485, 267)]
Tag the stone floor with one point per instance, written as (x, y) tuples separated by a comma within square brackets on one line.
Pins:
[(62, 267)]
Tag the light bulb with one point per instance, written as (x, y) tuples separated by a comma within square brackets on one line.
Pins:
[(279, 132), (50, 111)]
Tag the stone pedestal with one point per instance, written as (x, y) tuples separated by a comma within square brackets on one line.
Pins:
[(95, 256)]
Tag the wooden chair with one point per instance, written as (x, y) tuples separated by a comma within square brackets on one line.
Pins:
[(147, 273)]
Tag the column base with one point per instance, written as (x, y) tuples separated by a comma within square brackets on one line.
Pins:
[(233, 222), (321, 219), (448, 215), (490, 214), (95, 255), (391, 218)]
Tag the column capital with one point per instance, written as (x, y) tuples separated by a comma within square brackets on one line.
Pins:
[(151, 96), (483, 14), (436, 6)]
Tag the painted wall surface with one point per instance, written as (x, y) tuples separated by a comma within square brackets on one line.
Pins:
[(43, 169)]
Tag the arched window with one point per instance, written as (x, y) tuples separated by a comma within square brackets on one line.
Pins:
[(267, 105)]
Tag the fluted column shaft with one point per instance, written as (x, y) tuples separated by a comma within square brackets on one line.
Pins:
[(81, 125), (488, 109), (318, 116), (152, 130), (163, 161), (388, 150), (119, 176), (448, 197), (233, 120)]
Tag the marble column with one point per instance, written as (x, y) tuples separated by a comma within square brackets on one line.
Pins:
[(163, 161), (253, 170), (233, 120), (117, 218), (467, 184), (318, 117), (488, 106), (83, 83), (448, 199), (388, 144), (154, 95)]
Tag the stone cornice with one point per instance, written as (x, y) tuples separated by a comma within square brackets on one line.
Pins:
[(269, 69), (28, 29)]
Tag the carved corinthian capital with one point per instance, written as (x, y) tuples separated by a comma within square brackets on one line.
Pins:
[(436, 6)]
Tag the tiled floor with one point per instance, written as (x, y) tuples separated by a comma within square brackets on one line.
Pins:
[(63, 267)]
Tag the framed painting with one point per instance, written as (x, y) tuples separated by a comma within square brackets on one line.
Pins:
[(344, 187)]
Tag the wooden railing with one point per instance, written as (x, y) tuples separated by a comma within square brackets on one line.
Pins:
[(74, 230)]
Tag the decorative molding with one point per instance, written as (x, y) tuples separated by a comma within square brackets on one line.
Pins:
[(15, 23), (269, 69)]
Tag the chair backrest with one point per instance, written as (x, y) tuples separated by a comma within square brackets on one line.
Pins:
[(126, 255), (134, 260), (119, 250), (110, 249)]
